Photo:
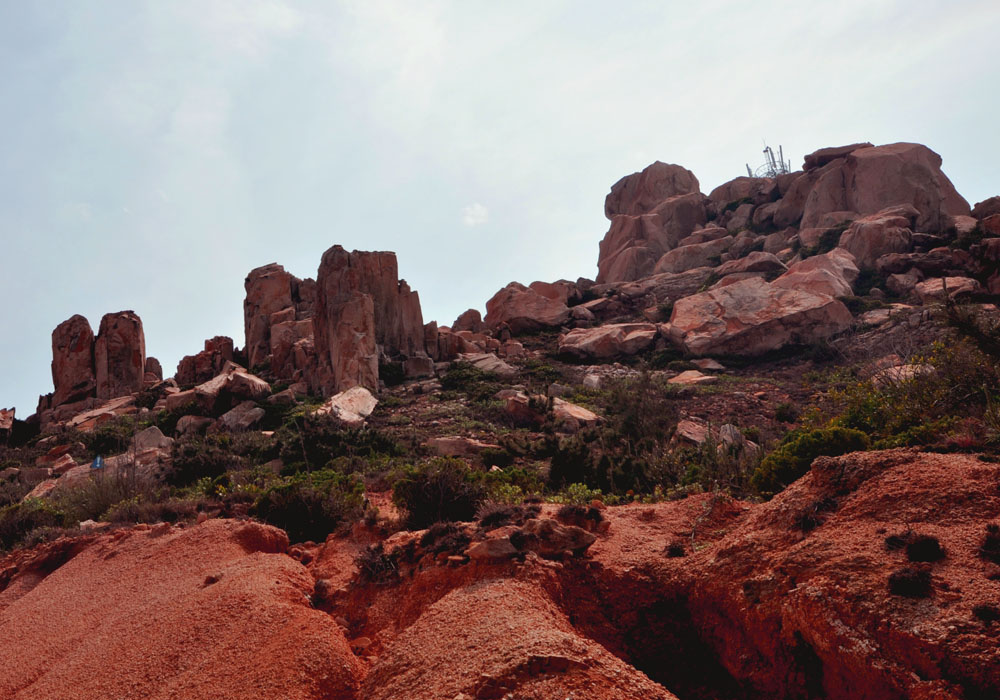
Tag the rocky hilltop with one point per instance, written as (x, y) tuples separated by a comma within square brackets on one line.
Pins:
[(756, 457)]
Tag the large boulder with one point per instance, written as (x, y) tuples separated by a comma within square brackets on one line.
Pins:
[(119, 355), (873, 236), (751, 317), (693, 256), (634, 242), (605, 342), (524, 309), (753, 190), (350, 407), (73, 361), (469, 320), (870, 179), (831, 274), (817, 159), (198, 368), (640, 192), (756, 262), (232, 385)]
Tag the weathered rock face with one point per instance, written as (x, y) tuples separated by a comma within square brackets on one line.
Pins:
[(524, 309), (73, 361), (274, 297), (689, 257), (345, 341), (612, 340), (750, 317), (868, 180), (640, 192), (634, 242), (399, 326), (119, 355), (758, 190), (153, 371), (832, 274), (195, 369), (871, 237), (469, 320)]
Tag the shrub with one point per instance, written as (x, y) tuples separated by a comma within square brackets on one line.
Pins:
[(924, 548), (90, 499), (312, 442), (792, 459), (493, 515), (441, 490), (990, 548), (920, 409), (392, 373), (113, 436), (675, 550), (815, 514), (309, 506), (476, 384), (376, 566), (444, 537), (141, 510), (20, 520), (786, 413), (198, 457), (987, 613), (911, 582), (583, 516)]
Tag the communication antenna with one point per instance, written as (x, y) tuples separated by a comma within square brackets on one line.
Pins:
[(773, 165)]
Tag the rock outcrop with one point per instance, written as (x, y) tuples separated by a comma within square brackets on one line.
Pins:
[(73, 361), (750, 317), (195, 369), (119, 355), (85, 367), (525, 309), (869, 179), (275, 302)]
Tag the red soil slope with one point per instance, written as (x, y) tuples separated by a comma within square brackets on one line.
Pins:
[(700, 598)]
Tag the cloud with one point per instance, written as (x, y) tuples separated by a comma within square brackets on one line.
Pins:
[(475, 214)]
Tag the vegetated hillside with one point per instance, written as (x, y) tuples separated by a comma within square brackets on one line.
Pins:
[(756, 458)]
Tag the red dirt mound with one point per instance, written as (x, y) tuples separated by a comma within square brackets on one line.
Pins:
[(797, 602), (208, 612)]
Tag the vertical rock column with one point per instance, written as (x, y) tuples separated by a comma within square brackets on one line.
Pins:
[(119, 355), (72, 361)]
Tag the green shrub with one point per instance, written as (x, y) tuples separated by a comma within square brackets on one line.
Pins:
[(441, 490), (19, 520), (91, 498), (311, 442), (309, 506), (792, 459), (962, 381), (114, 436), (197, 457), (476, 384), (139, 509), (828, 240), (392, 373), (786, 413)]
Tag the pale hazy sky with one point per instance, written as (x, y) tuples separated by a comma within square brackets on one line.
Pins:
[(155, 152)]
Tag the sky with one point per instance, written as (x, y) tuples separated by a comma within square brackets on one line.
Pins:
[(155, 152)]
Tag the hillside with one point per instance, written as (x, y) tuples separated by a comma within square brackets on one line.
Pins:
[(756, 457)]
